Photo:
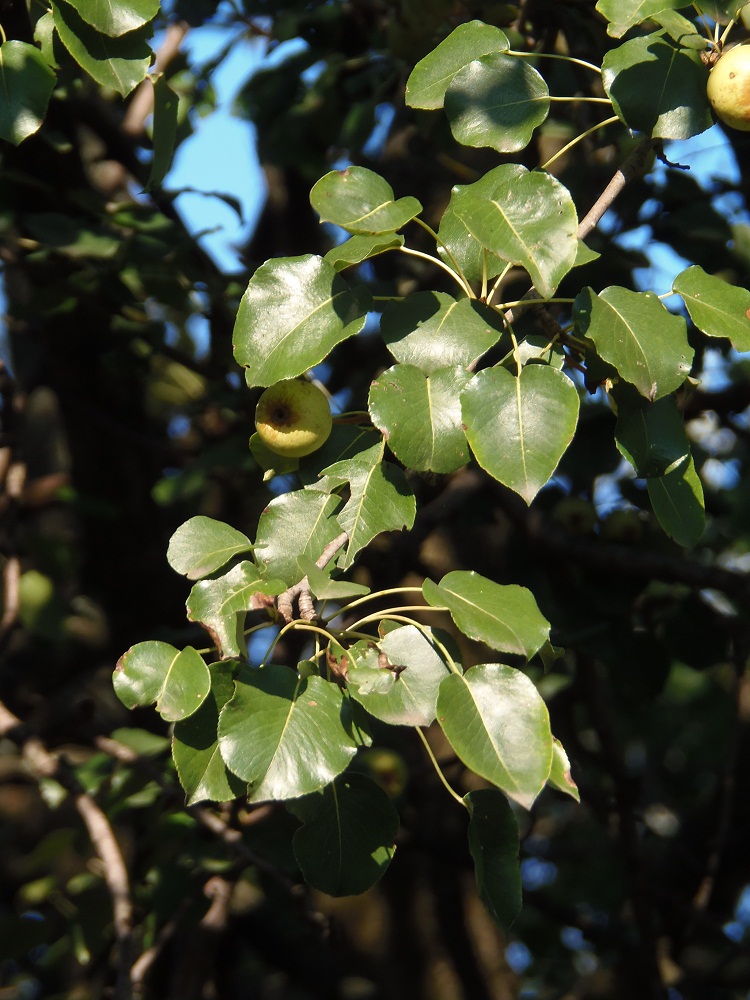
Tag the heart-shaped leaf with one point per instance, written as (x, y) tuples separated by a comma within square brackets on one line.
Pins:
[(497, 101), (525, 218), (298, 523), (120, 63), (380, 499), (498, 725), (650, 435), (285, 736), (432, 330), (27, 83), (177, 680), (398, 680), (493, 842), (347, 838), (361, 201), (195, 746), (717, 308), (505, 617), (293, 313), (519, 426), (421, 416), (117, 18), (633, 331), (657, 87), (202, 545), (432, 75)]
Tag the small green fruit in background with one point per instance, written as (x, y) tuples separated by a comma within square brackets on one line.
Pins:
[(728, 87), (293, 418)]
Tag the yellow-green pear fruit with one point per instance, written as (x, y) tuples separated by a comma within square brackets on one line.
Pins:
[(728, 87), (293, 418)]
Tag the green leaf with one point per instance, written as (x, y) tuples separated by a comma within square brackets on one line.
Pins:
[(420, 416), (432, 75), (347, 841), (406, 695), (559, 776), (717, 308), (460, 250), (657, 88), (505, 617), (298, 523), (346, 441), (293, 313), (284, 735), (432, 330), (625, 14), (117, 18), (120, 63), (525, 218), (681, 30), (497, 101), (362, 247), (26, 83), (498, 725), (166, 104), (202, 545), (195, 746), (323, 587), (361, 201), (177, 680), (721, 10), (493, 842), (677, 500), (221, 605), (633, 331), (380, 499), (650, 435), (520, 426)]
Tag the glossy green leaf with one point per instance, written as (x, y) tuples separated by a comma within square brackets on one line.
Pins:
[(497, 101), (535, 347), (493, 842), (361, 201), (432, 330), (432, 75), (658, 88), (717, 308), (117, 17), (625, 14), (298, 523), (633, 331), (528, 219), (346, 441), (520, 426), (323, 587), (120, 63), (498, 725), (362, 247), (380, 499), (401, 686), (650, 435), (420, 416), (27, 83), (681, 30), (164, 130), (195, 746), (721, 10), (177, 680), (677, 500), (293, 313), (283, 735), (560, 776), (462, 251), (202, 545), (347, 839), (221, 605), (505, 617)]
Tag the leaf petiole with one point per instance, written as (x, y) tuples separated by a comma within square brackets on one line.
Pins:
[(438, 770)]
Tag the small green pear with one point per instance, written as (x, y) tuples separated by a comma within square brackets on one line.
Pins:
[(293, 418), (728, 87)]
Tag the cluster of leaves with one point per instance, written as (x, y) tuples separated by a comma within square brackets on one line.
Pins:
[(464, 385)]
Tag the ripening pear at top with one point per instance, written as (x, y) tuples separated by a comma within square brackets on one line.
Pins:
[(729, 87)]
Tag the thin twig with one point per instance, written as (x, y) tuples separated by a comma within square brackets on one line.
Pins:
[(301, 592)]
